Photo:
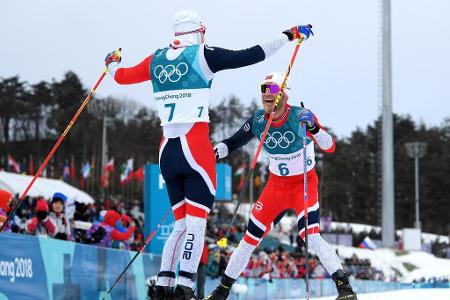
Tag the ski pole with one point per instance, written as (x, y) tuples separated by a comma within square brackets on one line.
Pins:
[(55, 147), (149, 238), (223, 241), (305, 208)]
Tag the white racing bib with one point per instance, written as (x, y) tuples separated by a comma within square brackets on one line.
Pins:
[(292, 163), (183, 106)]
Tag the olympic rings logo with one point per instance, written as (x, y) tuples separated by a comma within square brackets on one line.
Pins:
[(282, 140), (170, 72)]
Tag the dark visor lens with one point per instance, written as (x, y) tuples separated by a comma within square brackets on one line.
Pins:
[(271, 87)]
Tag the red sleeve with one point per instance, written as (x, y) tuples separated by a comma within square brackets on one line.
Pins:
[(31, 226), (50, 226), (138, 73), (122, 236)]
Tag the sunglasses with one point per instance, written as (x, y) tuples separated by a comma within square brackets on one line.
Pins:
[(271, 87)]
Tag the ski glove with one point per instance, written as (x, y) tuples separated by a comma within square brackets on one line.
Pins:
[(306, 116), (221, 150), (299, 31), (113, 57)]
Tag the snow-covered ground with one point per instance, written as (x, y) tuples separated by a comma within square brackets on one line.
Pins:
[(387, 260), (414, 294)]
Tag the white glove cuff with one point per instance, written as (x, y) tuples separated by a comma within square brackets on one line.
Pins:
[(222, 150), (112, 68)]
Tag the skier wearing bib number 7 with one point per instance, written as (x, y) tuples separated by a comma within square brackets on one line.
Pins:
[(181, 75), (284, 189)]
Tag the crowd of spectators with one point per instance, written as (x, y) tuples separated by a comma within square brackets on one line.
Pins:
[(278, 263), (110, 224), (107, 223)]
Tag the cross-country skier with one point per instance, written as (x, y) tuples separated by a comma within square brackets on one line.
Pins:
[(284, 189), (181, 76)]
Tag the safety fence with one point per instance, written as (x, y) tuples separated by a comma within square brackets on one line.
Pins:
[(44, 268)]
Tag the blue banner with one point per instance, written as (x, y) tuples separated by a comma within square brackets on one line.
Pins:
[(156, 202), (43, 268), (223, 191)]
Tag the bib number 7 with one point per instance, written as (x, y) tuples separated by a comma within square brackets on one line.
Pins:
[(171, 106)]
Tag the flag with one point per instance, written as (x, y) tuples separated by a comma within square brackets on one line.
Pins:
[(110, 165), (240, 170), (73, 172), (107, 169), (31, 166), (85, 173), (126, 172), (13, 165), (257, 181), (66, 172), (367, 243), (86, 170), (241, 183), (263, 172), (138, 175)]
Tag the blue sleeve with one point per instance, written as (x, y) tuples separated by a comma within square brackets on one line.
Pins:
[(240, 137), (219, 59)]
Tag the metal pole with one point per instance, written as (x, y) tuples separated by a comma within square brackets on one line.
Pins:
[(104, 152), (250, 190), (388, 213), (416, 162)]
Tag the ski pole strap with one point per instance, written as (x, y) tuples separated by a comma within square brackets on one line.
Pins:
[(167, 274), (191, 276)]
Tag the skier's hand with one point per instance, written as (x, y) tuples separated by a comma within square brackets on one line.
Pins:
[(299, 31), (113, 58), (221, 150), (307, 117)]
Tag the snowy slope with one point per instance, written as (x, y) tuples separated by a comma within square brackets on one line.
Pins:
[(415, 294), (386, 259)]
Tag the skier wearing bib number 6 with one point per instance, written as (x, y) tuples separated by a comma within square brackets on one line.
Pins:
[(284, 189), (181, 75)]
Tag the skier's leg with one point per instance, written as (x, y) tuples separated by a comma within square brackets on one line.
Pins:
[(172, 247), (264, 212), (200, 190), (317, 244)]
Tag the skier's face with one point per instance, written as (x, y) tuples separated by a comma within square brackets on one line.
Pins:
[(269, 93)]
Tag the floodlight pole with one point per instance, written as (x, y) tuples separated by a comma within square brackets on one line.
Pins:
[(388, 200), (416, 163), (416, 150)]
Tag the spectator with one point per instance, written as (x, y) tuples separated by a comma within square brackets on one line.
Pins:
[(106, 232), (81, 216), (5, 200), (62, 231), (40, 224), (201, 272)]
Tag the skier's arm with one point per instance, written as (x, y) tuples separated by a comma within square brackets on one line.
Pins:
[(237, 140), (316, 131), (219, 59), (137, 74)]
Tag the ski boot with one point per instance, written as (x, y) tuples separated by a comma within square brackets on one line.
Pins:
[(223, 290), (183, 293), (345, 291), (163, 293)]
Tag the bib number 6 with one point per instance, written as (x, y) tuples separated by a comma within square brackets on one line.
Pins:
[(283, 169)]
